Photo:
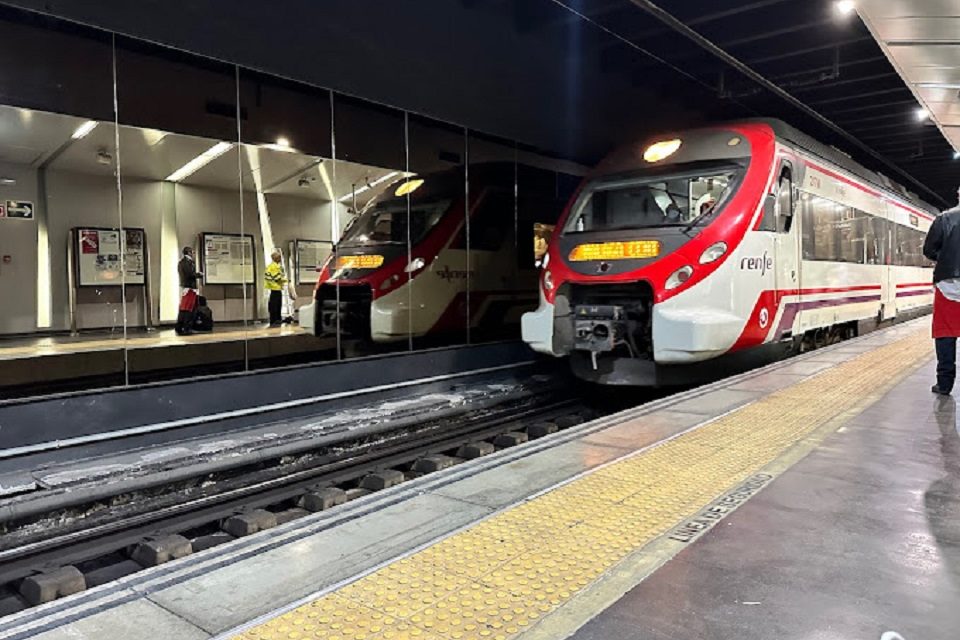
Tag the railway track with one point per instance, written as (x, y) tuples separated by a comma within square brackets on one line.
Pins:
[(89, 544)]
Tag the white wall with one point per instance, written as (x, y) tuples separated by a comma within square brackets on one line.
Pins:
[(18, 239)]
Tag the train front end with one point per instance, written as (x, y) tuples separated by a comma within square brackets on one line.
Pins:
[(642, 282), (363, 290)]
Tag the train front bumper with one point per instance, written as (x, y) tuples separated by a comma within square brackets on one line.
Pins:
[(537, 328), (682, 336)]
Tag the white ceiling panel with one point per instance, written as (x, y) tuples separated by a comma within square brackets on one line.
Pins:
[(922, 40), (879, 9), (939, 28)]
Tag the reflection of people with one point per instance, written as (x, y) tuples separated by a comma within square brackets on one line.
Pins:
[(539, 248), (274, 281), (942, 245), (940, 499), (189, 277), (187, 269)]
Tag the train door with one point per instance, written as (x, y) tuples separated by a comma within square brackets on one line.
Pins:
[(787, 248), (888, 285)]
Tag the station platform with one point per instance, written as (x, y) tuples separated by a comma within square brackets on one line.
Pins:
[(41, 362), (815, 498)]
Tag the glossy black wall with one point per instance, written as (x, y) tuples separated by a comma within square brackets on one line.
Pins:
[(538, 79)]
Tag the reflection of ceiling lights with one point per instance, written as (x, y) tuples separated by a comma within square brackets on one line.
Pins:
[(6, 182), (200, 161), (938, 85), (370, 185), (325, 177), (282, 144), (84, 130)]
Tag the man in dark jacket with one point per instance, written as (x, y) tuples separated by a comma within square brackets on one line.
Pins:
[(942, 245), (189, 277), (188, 270)]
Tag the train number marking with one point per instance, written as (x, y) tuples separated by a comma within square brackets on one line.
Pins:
[(762, 263)]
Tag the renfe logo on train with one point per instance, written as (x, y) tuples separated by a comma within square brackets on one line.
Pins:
[(762, 263)]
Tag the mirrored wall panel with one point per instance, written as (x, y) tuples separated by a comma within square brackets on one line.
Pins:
[(62, 261)]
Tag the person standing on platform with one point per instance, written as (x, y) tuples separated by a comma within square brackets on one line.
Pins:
[(274, 281), (189, 280), (943, 247)]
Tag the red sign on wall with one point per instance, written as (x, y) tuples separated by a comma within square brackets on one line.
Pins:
[(90, 241)]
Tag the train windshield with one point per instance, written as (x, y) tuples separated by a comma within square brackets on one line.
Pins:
[(386, 222), (652, 201)]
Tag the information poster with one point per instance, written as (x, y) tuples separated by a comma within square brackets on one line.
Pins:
[(227, 259), (310, 256), (99, 257)]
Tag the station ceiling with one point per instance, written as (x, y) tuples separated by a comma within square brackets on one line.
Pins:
[(577, 77), (805, 61)]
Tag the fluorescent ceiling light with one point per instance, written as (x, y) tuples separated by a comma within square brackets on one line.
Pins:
[(8, 181), (938, 85), (325, 177), (282, 144), (200, 161), (84, 130), (956, 155), (367, 187), (845, 7), (922, 114)]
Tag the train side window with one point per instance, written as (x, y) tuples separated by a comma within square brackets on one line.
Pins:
[(877, 241), (820, 229)]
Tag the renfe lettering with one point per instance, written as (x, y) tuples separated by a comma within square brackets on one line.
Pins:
[(762, 263)]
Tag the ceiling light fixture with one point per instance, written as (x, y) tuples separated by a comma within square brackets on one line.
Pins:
[(370, 185), (922, 114), (845, 7), (7, 181), (84, 130), (956, 155), (200, 161)]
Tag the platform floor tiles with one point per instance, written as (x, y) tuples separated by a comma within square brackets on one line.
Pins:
[(500, 577)]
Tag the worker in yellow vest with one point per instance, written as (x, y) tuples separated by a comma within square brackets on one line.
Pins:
[(274, 281)]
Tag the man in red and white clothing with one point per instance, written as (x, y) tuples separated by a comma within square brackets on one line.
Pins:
[(943, 247)]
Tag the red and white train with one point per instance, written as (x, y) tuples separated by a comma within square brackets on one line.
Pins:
[(718, 248), (402, 268)]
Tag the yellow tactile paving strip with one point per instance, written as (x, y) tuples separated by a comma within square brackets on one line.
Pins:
[(498, 578)]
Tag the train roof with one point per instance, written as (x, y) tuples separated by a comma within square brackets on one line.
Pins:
[(809, 144)]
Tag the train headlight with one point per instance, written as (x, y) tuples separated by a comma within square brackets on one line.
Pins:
[(415, 265), (678, 277), (713, 253), (548, 280)]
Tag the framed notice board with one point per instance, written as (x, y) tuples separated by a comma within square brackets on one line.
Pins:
[(309, 256), (227, 258), (102, 260)]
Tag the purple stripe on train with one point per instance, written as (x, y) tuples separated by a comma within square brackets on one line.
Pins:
[(924, 292), (791, 309)]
